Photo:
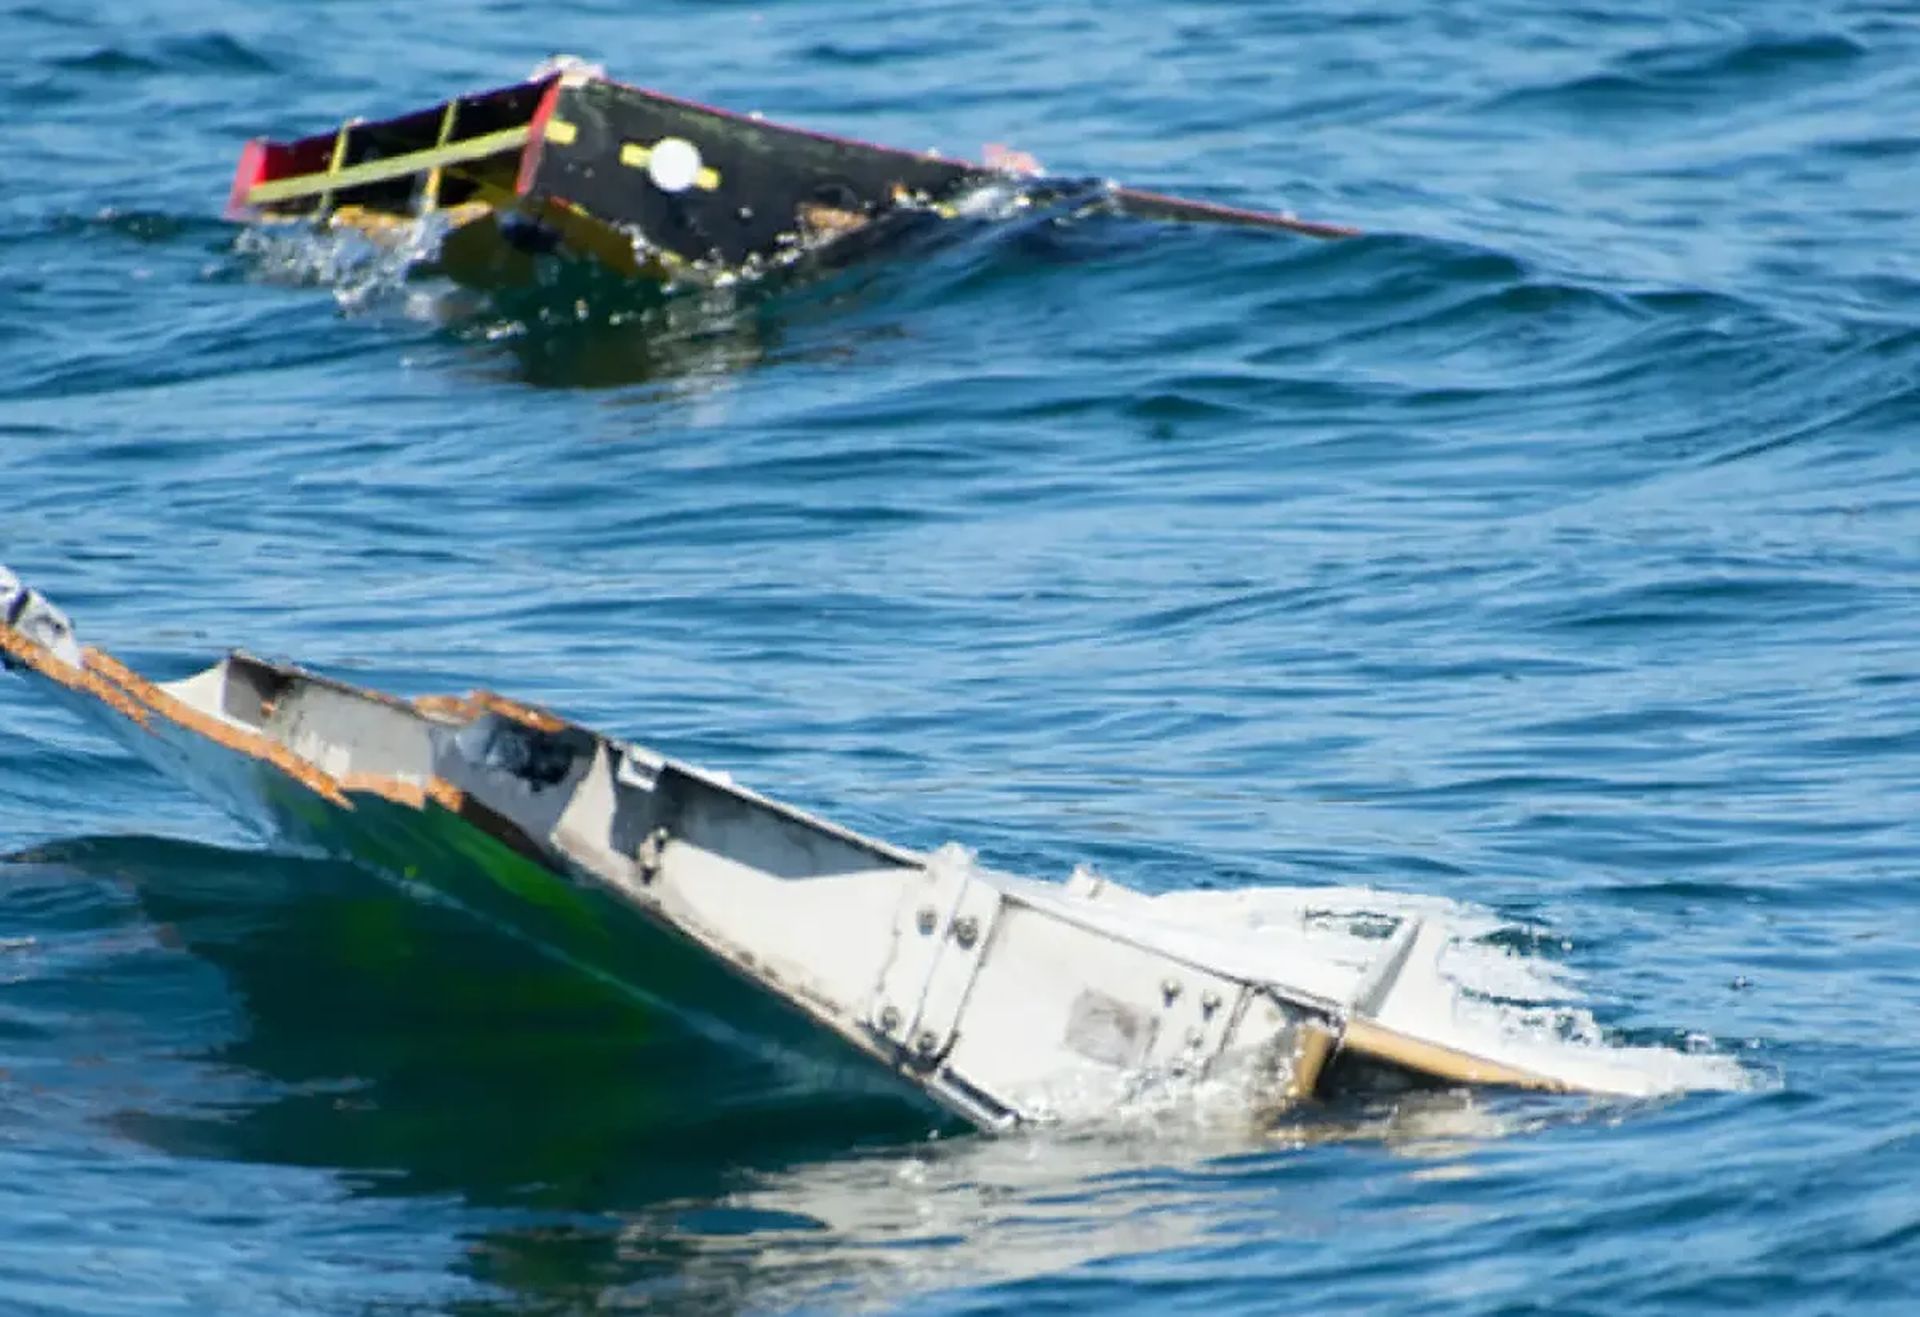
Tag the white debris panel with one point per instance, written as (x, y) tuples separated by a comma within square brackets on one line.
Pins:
[(1001, 1000)]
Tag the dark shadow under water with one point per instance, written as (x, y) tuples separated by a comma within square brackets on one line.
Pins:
[(417, 1050), (567, 323), (603, 1153)]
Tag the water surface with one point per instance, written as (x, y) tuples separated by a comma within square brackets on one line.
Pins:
[(1551, 551)]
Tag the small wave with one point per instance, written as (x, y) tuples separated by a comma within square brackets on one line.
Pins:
[(1681, 76), (1758, 55), (144, 226), (360, 272), (1878, 147), (218, 51), (207, 51), (1735, 597), (573, 323), (107, 59)]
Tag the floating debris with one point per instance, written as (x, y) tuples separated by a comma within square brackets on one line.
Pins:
[(646, 184), (1000, 1000)]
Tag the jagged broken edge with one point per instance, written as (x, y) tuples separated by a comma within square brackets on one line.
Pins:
[(37, 636)]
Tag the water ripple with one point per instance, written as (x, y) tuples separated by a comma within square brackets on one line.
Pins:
[(1549, 553)]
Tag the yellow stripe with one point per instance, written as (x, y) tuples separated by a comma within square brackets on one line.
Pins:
[(581, 232), (430, 194), (634, 155), (333, 161), (380, 171), (561, 131)]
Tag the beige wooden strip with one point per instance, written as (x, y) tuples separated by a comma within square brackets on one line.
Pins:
[(1312, 1048), (1369, 1038)]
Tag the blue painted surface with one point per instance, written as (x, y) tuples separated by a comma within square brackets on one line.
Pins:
[(1552, 551)]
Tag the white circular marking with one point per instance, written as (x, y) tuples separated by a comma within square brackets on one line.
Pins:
[(674, 164)]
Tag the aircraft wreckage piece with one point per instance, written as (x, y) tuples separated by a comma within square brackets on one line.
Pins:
[(988, 994), (642, 182)]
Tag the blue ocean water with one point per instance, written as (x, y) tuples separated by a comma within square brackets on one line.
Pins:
[(1552, 550)]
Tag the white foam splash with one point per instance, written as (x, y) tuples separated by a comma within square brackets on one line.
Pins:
[(1481, 993), (1464, 984), (999, 199), (360, 271)]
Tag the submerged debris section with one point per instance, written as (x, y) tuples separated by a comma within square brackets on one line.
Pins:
[(646, 184), (999, 999)]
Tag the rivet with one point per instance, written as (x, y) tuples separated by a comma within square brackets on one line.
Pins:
[(925, 920), (889, 1018), (647, 857), (925, 1043), (1209, 1002), (1195, 1037), (966, 931), (1170, 989)]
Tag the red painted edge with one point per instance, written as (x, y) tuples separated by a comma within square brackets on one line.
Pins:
[(536, 139), (255, 162), (251, 169)]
